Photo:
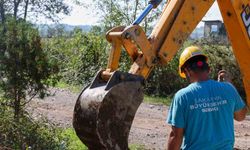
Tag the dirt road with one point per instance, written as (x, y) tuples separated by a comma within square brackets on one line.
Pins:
[(148, 129)]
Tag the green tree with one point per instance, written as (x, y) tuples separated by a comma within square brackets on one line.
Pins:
[(24, 67), (21, 9), (80, 56), (25, 70)]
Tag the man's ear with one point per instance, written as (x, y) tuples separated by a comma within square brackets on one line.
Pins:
[(209, 69), (186, 71)]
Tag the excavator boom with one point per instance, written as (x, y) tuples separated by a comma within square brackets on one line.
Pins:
[(105, 109)]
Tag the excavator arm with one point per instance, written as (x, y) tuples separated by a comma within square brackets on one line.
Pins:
[(105, 109)]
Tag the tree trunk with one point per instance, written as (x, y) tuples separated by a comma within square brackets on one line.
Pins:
[(15, 9), (26, 9), (2, 13), (111, 12), (16, 106), (146, 20), (136, 8), (16, 5), (17, 97)]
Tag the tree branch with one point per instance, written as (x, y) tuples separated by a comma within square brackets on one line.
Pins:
[(29, 99), (26, 9)]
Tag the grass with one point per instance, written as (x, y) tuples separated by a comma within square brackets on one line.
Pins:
[(74, 142), (136, 147), (157, 100), (72, 88)]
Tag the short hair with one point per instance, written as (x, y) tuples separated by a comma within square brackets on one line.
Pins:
[(196, 64)]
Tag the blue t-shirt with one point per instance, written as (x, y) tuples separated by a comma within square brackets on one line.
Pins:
[(206, 110)]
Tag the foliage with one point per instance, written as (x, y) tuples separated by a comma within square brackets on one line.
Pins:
[(78, 63), (22, 9), (38, 134), (25, 69), (165, 80), (116, 13), (79, 56), (28, 133)]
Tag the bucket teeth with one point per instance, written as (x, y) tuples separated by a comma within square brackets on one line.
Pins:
[(104, 113)]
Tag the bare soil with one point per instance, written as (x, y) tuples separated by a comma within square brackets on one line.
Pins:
[(148, 129)]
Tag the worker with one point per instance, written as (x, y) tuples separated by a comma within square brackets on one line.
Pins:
[(202, 114)]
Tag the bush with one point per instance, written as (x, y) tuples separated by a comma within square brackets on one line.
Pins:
[(222, 57), (28, 133), (80, 56), (83, 54), (165, 80)]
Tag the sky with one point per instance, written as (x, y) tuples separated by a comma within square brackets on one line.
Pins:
[(81, 15), (213, 13)]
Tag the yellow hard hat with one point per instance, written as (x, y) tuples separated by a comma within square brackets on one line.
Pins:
[(188, 53)]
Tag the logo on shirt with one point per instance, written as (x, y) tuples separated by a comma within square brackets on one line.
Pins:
[(209, 104)]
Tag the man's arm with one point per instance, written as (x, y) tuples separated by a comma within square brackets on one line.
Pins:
[(223, 75), (175, 138), (240, 115)]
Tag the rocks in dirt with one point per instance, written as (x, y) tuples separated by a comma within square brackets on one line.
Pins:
[(151, 106), (152, 135), (243, 125), (158, 107), (246, 134)]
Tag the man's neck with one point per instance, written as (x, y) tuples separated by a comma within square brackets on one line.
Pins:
[(199, 78)]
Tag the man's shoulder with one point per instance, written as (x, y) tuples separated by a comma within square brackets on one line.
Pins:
[(182, 96), (199, 87), (183, 92), (224, 85), (216, 84), (188, 89)]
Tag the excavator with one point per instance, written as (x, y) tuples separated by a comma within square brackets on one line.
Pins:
[(105, 109)]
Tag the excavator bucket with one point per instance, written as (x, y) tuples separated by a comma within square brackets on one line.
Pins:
[(104, 111)]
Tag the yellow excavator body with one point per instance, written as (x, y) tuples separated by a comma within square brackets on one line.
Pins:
[(105, 109)]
